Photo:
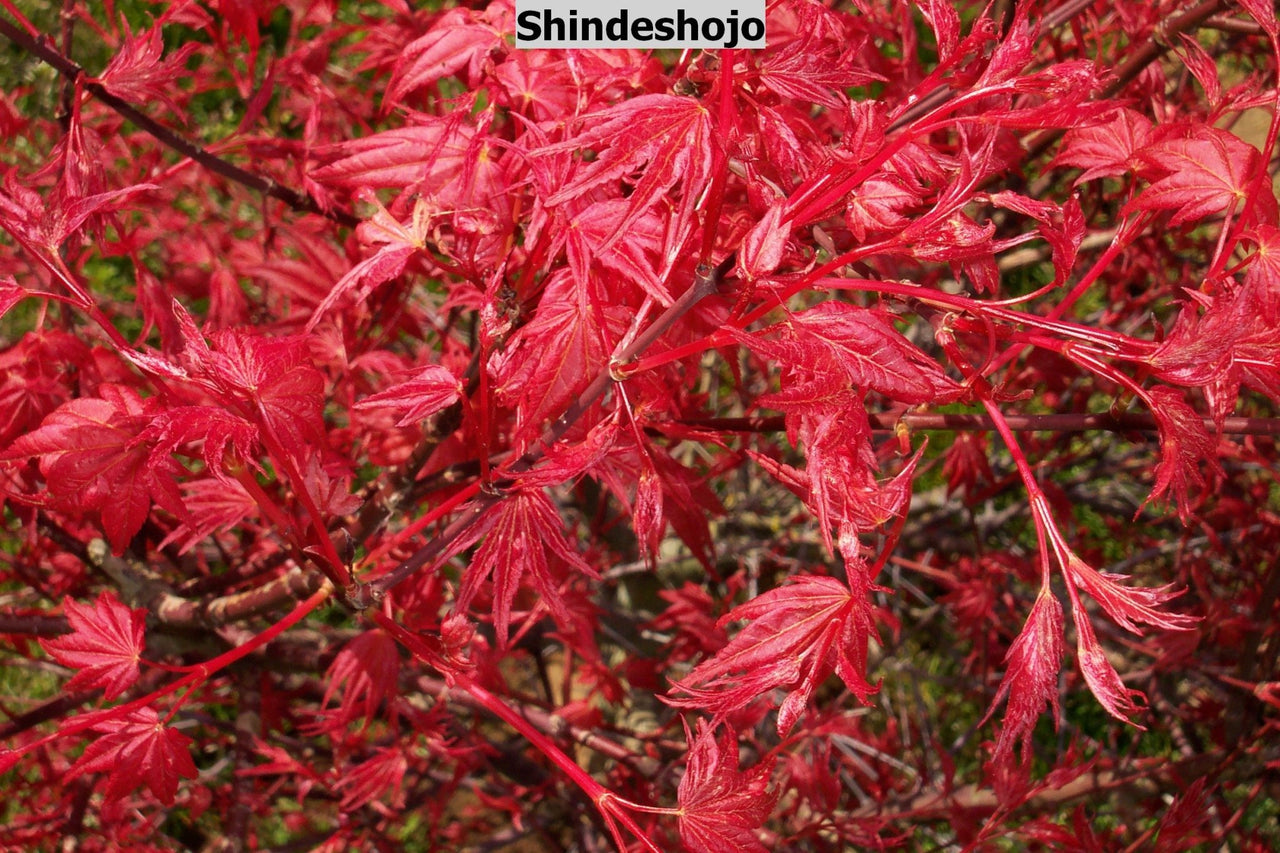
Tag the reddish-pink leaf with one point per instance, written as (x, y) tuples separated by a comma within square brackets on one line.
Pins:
[(92, 457), (281, 762), (815, 68), (1103, 680), (1262, 277), (366, 669), (1203, 174), (1108, 149), (851, 345), (138, 750), (798, 635), (524, 534), (666, 139), (136, 72), (212, 504), (1130, 606), (10, 294), (271, 378), (550, 360), (105, 645), (430, 390), (433, 153), (1030, 681), (720, 805), (1264, 12), (453, 43), (381, 775), (762, 248), (1185, 445)]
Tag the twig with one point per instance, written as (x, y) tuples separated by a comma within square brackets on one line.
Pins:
[(888, 422), (40, 48)]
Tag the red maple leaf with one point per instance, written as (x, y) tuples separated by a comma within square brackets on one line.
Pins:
[(549, 361), (136, 73), (799, 634), (1107, 149), (10, 294), (429, 391), (665, 139), (720, 805), (1185, 444), (366, 669), (373, 778), (138, 750), (92, 457), (856, 344), (1030, 681), (523, 534), (105, 645), (1203, 174), (456, 41)]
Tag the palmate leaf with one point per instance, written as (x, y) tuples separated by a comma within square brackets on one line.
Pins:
[(1106, 149), (720, 805), (798, 635), (1206, 173), (105, 645), (92, 457), (138, 750), (856, 346), (525, 544), (429, 391), (366, 670), (1030, 682), (664, 138)]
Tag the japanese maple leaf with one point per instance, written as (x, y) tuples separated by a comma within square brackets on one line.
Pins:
[(48, 224), (373, 778), (855, 345), (814, 68), (666, 139), (550, 360), (270, 378), (429, 391), (1030, 681), (10, 294), (138, 749), (524, 533), (366, 669), (798, 634), (442, 155), (105, 645), (92, 457), (456, 40), (1184, 445), (720, 805), (137, 73), (1204, 174), (1106, 149)]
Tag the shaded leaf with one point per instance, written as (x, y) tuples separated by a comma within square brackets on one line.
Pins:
[(1030, 682), (720, 805), (798, 635)]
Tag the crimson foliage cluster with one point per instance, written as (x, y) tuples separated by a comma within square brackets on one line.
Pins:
[(412, 442)]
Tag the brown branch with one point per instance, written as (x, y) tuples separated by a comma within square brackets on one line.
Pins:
[(42, 49), (887, 422)]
